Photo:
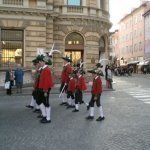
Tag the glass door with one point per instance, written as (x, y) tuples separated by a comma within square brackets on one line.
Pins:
[(74, 55)]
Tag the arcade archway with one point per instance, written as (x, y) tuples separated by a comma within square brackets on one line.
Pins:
[(74, 47)]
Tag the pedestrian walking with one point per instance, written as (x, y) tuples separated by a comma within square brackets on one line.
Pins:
[(109, 77), (106, 75), (67, 70), (96, 94), (9, 80), (19, 78)]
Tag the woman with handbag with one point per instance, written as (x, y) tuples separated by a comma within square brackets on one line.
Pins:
[(9, 79)]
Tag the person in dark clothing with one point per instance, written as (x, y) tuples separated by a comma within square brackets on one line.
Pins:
[(106, 75), (19, 78), (9, 77)]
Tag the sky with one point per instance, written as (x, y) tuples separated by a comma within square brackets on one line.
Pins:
[(118, 9)]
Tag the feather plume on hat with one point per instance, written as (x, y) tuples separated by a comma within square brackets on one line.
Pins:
[(40, 51), (41, 56), (53, 50), (81, 63)]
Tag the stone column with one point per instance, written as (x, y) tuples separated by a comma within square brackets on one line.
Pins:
[(85, 11), (41, 4), (84, 3), (107, 5), (26, 3), (98, 4), (65, 2)]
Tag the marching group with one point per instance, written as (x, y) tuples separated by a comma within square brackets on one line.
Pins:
[(71, 90)]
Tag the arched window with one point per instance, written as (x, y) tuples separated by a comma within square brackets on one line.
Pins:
[(74, 39), (74, 2), (74, 46), (102, 44)]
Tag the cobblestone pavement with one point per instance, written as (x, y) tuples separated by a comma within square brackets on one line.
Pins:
[(126, 127)]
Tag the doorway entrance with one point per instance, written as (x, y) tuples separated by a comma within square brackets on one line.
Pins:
[(75, 55), (74, 47)]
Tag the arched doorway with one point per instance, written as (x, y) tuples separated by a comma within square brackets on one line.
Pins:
[(74, 47), (102, 47)]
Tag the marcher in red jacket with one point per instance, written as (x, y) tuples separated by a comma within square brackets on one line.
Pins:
[(96, 94), (98, 68), (67, 69), (45, 85), (71, 90), (80, 87), (35, 75)]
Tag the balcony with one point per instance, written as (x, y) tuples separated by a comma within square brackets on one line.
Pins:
[(82, 10), (75, 9)]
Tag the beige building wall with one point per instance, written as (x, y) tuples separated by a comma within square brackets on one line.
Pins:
[(45, 22)]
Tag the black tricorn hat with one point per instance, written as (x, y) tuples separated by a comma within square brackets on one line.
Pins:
[(40, 57), (96, 71), (92, 71), (67, 59), (35, 61), (98, 65), (75, 71), (81, 71), (45, 58)]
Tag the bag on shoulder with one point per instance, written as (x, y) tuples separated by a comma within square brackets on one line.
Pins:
[(7, 85)]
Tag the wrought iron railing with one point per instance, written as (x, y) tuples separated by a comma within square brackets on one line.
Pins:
[(74, 9)]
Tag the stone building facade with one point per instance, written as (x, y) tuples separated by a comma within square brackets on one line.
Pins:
[(79, 29), (131, 36), (147, 33)]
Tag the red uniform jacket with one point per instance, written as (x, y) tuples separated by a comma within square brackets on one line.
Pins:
[(81, 85), (45, 81), (97, 86), (65, 73), (72, 85)]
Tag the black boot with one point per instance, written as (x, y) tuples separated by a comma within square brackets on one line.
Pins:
[(29, 106), (44, 120), (100, 118), (63, 103), (37, 111), (90, 117), (75, 110)]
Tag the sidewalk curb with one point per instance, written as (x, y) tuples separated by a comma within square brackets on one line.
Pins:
[(29, 92)]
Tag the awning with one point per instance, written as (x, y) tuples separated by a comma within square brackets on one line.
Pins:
[(145, 62), (133, 62)]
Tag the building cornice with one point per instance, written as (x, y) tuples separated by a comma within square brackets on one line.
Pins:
[(27, 11), (88, 18), (146, 13), (134, 10)]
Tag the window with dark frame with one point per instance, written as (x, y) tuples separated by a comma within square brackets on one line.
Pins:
[(74, 2), (11, 47)]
